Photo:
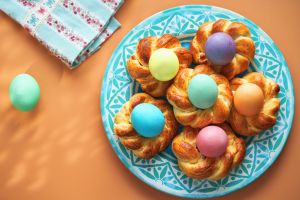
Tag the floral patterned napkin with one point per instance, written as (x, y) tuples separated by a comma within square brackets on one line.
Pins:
[(71, 29)]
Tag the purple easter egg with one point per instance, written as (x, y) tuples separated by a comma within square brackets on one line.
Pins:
[(220, 48)]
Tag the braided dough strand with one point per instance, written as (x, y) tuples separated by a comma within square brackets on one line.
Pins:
[(245, 48), (266, 118), (198, 166), (185, 112), (141, 146), (138, 64)]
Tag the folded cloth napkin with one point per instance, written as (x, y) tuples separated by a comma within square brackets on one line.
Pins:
[(71, 29)]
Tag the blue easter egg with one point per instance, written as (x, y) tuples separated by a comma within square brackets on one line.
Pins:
[(220, 48), (147, 120), (202, 91)]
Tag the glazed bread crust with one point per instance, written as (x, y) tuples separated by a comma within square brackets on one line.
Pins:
[(189, 115), (245, 48), (144, 147), (195, 165), (138, 64), (266, 118)]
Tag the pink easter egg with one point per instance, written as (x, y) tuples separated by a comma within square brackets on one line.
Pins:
[(212, 141)]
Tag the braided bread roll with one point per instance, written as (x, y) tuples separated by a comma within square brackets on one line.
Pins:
[(141, 146), (138, 63), (198, 166), (239, 32), (189, 115), (266, 118)]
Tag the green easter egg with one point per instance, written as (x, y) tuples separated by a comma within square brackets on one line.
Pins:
[(163, 64), (24, 92), (202, 91)]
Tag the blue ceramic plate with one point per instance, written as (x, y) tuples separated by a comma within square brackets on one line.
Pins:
[(162, 172)]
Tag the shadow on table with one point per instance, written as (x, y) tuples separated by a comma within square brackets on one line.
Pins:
[(34, 145)]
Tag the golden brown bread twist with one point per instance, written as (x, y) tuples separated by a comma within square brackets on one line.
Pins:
[(245, 47), (141, 146), (266, 118), (138, 67), (189, 115), (198, 166)]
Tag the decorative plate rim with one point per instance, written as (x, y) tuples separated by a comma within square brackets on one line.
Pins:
[(128, 166)]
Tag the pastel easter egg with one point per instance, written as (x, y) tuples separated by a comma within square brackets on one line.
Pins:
[(163, 64), (220, 48), (147, 120), (202, 91), (212, 141), (248, 99), (24, 92)]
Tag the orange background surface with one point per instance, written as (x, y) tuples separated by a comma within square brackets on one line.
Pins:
[(60, 150)]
